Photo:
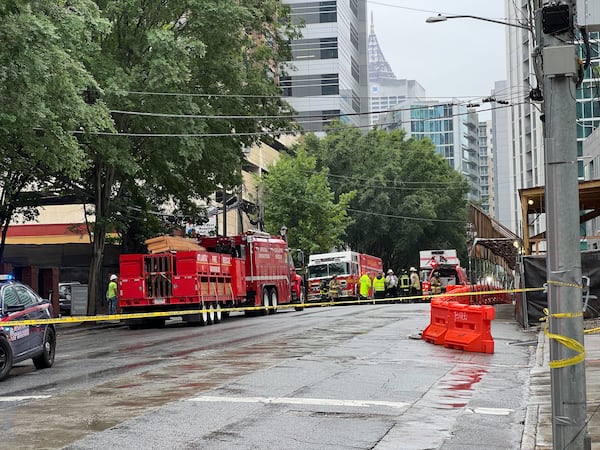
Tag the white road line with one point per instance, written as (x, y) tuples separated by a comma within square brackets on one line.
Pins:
[(494, 411), (23, 397), (300, 401)]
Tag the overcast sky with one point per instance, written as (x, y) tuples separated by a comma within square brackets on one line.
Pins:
[(459, 58)]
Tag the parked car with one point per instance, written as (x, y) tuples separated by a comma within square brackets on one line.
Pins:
[(65, 296), (22, 342)]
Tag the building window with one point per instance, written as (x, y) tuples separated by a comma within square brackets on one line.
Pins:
[(355, 102), (329, 48), (323, 12), (310, 85), (354, 36), (330, 84), (354, 7), (325, 48), (286, 86), (354, 69), (330, 115)]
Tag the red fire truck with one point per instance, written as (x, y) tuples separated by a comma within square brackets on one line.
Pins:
[(252, 269), (347, 265)]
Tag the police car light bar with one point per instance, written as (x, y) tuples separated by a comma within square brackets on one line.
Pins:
[(6, 277)]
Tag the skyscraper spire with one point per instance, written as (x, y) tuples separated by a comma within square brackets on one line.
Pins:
[(379, 69), (372, 24)]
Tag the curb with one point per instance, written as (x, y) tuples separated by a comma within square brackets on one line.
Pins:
[(536, 361)]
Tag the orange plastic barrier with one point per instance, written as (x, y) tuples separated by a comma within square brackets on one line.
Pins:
[(459, 289), (438, 325), (469, 328)]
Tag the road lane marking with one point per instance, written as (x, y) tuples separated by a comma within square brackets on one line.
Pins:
[(300, 401), (493, 411), (23, 397)]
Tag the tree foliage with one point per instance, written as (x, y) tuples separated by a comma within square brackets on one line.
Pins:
[(409, 198), (178, 77), (132, 106), (298, 196), (42, 86)]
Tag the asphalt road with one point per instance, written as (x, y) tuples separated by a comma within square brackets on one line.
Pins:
[(334, 377)]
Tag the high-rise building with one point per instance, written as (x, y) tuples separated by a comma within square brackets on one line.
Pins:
[(385, 91), (327, 77), (506, 197), (486, 161), (525, 127), (525, 133), (453, 129)]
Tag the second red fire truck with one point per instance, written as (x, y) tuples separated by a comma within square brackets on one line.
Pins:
[(347, 265)]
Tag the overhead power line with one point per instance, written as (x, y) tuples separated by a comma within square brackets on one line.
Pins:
[(270, 132)]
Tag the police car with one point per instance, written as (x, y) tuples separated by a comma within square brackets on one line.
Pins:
[(22, 342)]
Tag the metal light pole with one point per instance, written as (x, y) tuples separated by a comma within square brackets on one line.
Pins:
[(441, 18), (563, 262)]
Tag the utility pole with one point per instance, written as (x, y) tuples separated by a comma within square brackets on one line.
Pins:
[(555, 30)]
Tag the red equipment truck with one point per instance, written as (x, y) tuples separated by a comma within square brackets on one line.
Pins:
[(348, 266), (252, 269)]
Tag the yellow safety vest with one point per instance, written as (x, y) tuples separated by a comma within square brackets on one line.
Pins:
[(379, 284)]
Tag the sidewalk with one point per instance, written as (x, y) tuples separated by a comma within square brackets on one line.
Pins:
[(538, 423)]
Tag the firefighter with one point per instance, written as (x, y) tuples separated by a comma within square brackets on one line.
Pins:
[(365, 286), (379, 286), (404, 283), (415, 283), (334, 289), (391, 284), (436, 284)]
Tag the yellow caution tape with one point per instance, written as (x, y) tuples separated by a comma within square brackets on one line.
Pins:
[(570, 343), (563, 284), (158, 314)]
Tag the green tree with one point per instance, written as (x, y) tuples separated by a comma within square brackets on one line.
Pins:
[(298, 196), (43, 87), (183, 80), (408, 198)]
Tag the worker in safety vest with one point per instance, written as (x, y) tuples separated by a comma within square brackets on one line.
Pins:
[(365, 286), (415, 283), (404, 283), (379, 286)]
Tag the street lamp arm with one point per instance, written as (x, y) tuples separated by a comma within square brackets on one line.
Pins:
[(441, 18)]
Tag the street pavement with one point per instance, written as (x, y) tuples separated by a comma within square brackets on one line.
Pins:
[(537, 431), (538, 425)]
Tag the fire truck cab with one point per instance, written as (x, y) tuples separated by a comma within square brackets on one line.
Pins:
[(348, 266)]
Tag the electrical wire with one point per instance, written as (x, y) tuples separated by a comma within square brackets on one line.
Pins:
[(371, 213), (274, 132)]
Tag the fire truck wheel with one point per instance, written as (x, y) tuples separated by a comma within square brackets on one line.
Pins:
[(274, 301), (265, 302), (204, 316), (302, 299), (218, 313), (211, 314)]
